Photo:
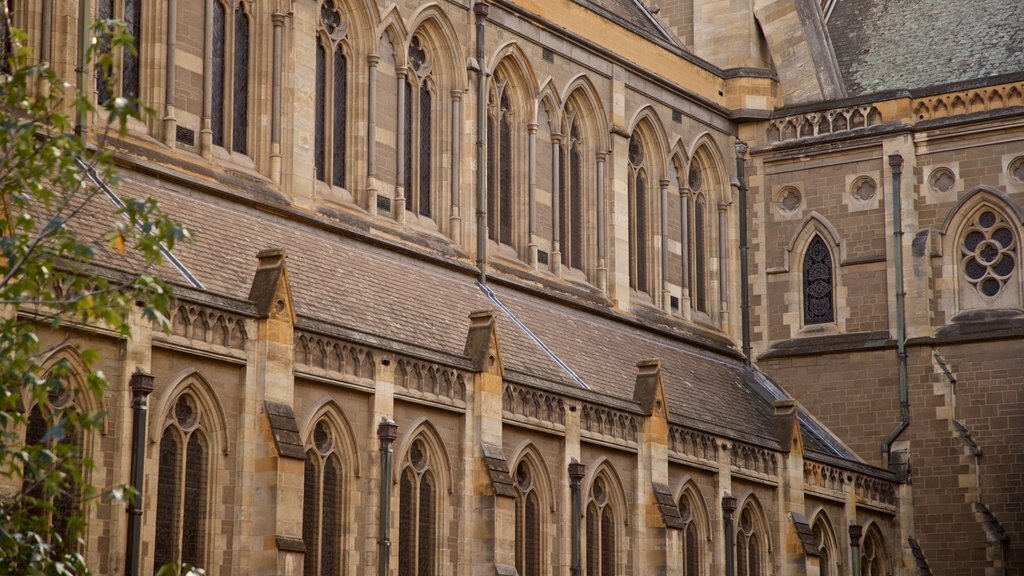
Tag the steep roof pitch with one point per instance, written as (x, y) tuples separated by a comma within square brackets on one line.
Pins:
[(911, 44), (631, 14)]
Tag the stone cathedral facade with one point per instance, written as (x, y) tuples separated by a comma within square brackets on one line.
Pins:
[(570, 287)]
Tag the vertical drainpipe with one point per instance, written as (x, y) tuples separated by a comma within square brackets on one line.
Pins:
[(896, 164), (83, 76), (728, 508), (855, 534), (45, 38), (169, 121), (387, 431), (576, 473), (741, 177), (480, 9), (141, 385)]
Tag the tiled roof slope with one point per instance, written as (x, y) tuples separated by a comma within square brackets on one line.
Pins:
[(631, 15), (912, 44), (374, 291)]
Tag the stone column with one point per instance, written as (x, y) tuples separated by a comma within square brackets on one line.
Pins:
[(684, 251), (666, 296), (602, 225), (371, 134), (556, 203), (275, 102), (455, 217), (399, 208), (723, 257), (531, 216), (206, 129), (169, 122)]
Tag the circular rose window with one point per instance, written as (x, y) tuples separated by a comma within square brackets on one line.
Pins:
[(988, 254)]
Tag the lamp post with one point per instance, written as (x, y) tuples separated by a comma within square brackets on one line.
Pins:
[(728, 508), (387, 431), (576, 473), (141, 385)]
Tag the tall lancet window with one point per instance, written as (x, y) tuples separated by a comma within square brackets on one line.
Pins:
[(600, 533), (331, 96), (229, 115), (417, 515), (698, 240), (571, 197), (321, 505), (638, 198), (749, 546), (499, 159), (419, 113), (818, 283), (528, 530), (130, 11)]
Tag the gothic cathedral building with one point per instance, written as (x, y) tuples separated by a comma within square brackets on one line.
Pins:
[(587, 287)]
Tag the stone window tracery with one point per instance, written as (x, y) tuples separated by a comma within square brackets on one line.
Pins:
[(692, 560), (638, 207), (818, 283), (130, 11), (700, 255), (571, 197), (873, 560), (321, 504), (182, 486), (331, 97), (826, 546), (417, 524), (528, 526), (229, 115), (418, 115), (601, 539), (749, 546), (499, 155), (988, 253)]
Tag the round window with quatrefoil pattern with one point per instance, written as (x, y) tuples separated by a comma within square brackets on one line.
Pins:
[(988, 253)]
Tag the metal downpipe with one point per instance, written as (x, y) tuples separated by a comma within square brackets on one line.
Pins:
[(741, 177), (481, 9), (896, 164)]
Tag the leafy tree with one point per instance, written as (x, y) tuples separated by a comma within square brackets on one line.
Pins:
[(57, 270)]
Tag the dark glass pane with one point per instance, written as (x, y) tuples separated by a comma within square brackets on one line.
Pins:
[(427, 526), (65, 504), (330, 549), (310, 494), (407, 143), (320, 115), (218, 96), (755, 557), (505, 180), (36, 429), (607, 543), (130, 62), (532, 536), (576, 208), (700, 255), (593, 541), (632, 230), (818, 283), (641, 232), (240, 118), (167, 507), (742, 568), (825, 560), (563, 205), (520, 535), (340, 116), (407, 525), (492, 182), (691, 551), (193, 529), (104, 11), (425, 151)]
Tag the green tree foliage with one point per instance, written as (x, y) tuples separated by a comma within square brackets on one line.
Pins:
[(57, 271)]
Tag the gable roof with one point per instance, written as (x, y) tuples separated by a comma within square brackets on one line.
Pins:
[(886, 45), (632, 15)]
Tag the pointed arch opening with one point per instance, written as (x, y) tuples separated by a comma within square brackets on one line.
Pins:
[(696, 555), (753, 544), (818, 283)]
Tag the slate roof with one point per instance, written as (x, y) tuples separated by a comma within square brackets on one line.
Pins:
[(382, 294), (632, 15), (911, 44)]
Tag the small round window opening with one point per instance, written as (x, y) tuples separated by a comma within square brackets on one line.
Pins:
[(418, 457), (988, 254), (322, 438), (696, 178), (789, 200), (1016, 169), (600, 496), (185, 412), (523, 479)]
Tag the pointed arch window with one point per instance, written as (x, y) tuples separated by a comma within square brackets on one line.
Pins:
[(873, 561), (182, 487), (818, 283), (692, 557), (417, 518), (499, 159), (750, 547), (130, 11), (601, 540), (331, 97), (826, 547), (51, 423), (988, 253), (528, 527), (638, 195), (571, 231), (229, 114), (321, 504), (419, 116)]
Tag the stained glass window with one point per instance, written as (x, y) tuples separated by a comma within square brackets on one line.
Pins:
[(748, 546), (492, 178), (340, 120), (600, 532), (640, 202), (691, 545), (330, 548), (194, 520), (310, 518), (872, 555), (505, 173), (426, 113), (593, 541), (988, 253), (218, 97), (240, 119), (167, 500), (417, 517), (320, 114), (528, 530), (560, 156), (818, 285), (104, 11), (576, 206), (700, 282), (407, 143), (130, 62)]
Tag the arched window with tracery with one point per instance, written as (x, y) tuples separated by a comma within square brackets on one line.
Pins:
[(571, 233), (989, 254), (638, 208), (229, 115), (129, 11), (827, 549), (322, 504), (873, 559), (417, 517), (419, 120), (528, 526), (183, 485), (331, 96), (601, 538), (818, 283), (499, 164), (698, 240), (750, 545), (693, 557)]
